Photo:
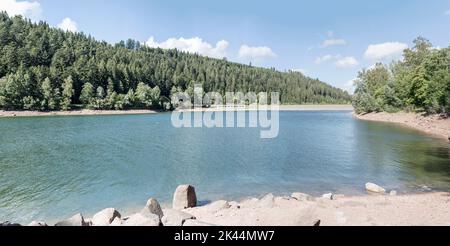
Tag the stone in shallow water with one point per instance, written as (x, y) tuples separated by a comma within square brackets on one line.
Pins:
[(371, 187), (105, 217), (184, 197)]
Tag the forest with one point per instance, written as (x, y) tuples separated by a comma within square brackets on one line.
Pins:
[(419, 82), (44, 68)]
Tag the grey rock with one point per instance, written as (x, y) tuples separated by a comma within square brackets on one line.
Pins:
[(302, 197), (174, 217), (142, 220), (116, 222), (37, 223), (152, 207), (371, 187), (184, 197), (76, 220), (7, 223), (328, 196), (105, 217)]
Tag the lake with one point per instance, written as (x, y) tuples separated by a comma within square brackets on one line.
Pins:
[(54, 167)]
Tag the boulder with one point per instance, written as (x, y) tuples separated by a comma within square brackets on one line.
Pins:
[(302, 197), (328, 196), (105, 217), (152, 207), (267, 201), (76, 220), (7, 223), (196, 223), (184, 197), (37, 223), (116, 222), (371, 187), (174, 217), (142, 220)]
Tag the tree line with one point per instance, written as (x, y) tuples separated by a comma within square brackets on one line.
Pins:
[(418, 82), (44, 68)]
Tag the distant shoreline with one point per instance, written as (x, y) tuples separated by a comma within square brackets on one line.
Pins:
[(88, 112), (84, 112), (432, 125)]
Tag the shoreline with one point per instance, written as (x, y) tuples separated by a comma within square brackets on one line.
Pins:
[(431, 125), (89, 112), (298, 209), (83, 112)]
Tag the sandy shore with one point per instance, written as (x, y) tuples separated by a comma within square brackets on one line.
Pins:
[(126, 112), (281, 108), (371, 210), (72, 113), (429, 124)]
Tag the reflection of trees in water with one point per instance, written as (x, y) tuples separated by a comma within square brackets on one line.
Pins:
[(405, 151)]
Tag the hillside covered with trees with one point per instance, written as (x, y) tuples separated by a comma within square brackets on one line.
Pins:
[(418, 82), (44, 68)]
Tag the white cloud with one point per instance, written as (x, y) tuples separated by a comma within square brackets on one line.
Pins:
[(256, 53), (27, 9), (447, 12), (389, 50), (333, 42), (347, 62), (68, 25), (192, 45), (350, 86), (326, 58)]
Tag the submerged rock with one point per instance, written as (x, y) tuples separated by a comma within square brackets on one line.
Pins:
[(105, 217), (153, 207), (184, 197), (174, 217), (142, 220), (371, 187), (76, 220)]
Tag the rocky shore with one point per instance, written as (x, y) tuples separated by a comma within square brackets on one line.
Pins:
[(433, 124), (377, 208)]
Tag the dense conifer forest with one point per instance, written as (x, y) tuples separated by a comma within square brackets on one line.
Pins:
[(44, 68)]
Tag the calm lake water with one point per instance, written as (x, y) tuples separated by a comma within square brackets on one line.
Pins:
[(54, 167)]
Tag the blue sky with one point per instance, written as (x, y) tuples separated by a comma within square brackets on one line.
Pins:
[(326, 39)]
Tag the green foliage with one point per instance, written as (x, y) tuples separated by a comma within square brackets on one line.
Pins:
[(87, 94), (67, 93), (36, 62), (421, 81)]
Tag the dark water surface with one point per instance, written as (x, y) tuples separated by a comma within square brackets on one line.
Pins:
[(54, 167)]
